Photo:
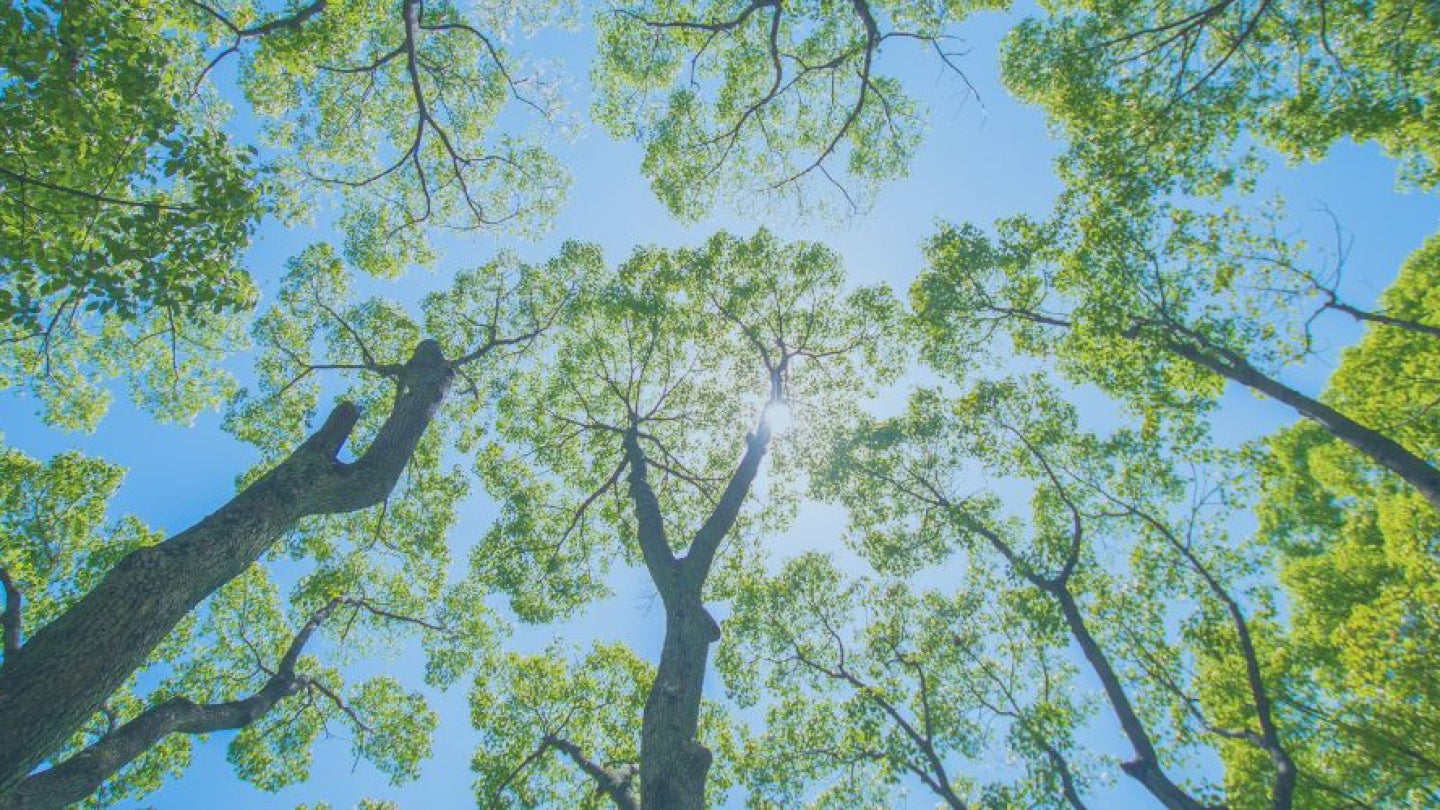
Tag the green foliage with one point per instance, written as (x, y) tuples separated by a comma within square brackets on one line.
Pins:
[(57, 540), (126, 208), (1176, 610), (1150, 94), (684, 346), (1359, 564), (122, 193), (784, 100), (395, 106), (1125, 300), (524, 700), (867, 683)]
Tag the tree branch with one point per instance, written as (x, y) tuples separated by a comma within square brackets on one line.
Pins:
[(613, 782)]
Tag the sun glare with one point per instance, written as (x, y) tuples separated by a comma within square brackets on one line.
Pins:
[(778, 417)]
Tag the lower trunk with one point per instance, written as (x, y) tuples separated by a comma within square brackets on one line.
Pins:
[(62, 676), (673, 764)]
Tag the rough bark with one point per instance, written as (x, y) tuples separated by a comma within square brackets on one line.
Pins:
[(10, 619), (62, 676), (673, 763)]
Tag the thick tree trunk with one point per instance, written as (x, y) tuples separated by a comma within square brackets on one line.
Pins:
[(70, 667), (673, 763)]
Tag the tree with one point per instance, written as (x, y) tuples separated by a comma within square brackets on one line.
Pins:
[(767, 98), (923, 680), (65, 671), (678, 365), (1095, 502)]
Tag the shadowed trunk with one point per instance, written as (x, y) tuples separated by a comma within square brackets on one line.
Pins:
[(673, 763), (66, 671)]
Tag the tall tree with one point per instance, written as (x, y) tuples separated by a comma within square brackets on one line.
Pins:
[(649, 428), (253, 675), (63, 673)]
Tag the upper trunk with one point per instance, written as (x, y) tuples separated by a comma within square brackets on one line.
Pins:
[(1385, 451), (63, 675)]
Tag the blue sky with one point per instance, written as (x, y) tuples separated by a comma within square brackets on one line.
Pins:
[(980, 161)]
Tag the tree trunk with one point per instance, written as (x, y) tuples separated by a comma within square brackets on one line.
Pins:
[(62, 676), (1145, 767), (1385, 451), (673, 764)]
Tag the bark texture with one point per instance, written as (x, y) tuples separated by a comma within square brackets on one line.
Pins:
[(66, 671)]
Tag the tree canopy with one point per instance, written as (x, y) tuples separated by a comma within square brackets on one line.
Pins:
[(1132, 500)]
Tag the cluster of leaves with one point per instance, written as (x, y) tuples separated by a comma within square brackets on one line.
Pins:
[(122, 193), (395, 105), (767, 98), (129, 206)]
